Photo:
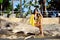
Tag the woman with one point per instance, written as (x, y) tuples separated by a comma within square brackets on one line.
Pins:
[(36, 19)]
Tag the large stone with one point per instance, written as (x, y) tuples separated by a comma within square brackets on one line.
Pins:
[(6, 32), (18, 26), (12, 37), (26, 29), (3, 22)]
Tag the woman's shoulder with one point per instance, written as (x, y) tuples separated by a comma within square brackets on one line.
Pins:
[(32, 14)]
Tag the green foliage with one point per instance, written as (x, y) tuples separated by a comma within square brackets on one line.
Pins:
[(17, 14), (1, 1), (18, 7), (5, 5)]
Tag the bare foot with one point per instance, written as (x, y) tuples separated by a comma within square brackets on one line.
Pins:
[(41, 35)]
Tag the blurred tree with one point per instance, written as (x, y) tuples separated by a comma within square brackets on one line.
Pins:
[(43, 7), (1, 1), (17, 10), (21, 15), (54, 4), (30, 3), (5, 5)]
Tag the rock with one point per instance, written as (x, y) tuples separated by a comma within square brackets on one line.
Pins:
[(55, 33), (26, 29), (3, 36), (18, 27), (58, 34), (3, 22), (46, 33), (12, 37), (6, 24), (28, 37), (6, 32)]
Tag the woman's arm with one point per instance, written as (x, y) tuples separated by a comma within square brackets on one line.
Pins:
[(41, 15)]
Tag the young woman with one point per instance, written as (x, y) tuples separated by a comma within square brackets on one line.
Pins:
[(36, 20)]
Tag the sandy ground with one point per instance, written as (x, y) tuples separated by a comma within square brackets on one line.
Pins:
[(52, 27)]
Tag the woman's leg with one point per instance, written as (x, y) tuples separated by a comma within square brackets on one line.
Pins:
[(38, 24), (41, 30)]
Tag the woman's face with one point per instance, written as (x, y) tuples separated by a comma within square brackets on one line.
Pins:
[(36, 12)]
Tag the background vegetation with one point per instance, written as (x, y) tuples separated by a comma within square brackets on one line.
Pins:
[(7, 6)]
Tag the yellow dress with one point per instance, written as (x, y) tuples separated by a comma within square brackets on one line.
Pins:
[(32, 21)]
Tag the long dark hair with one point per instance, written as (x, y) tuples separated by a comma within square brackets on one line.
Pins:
[(35, 10)]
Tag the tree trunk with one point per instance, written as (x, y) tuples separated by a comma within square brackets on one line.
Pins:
[(21, 15), (12, 8), (1, 10), (44, 8)]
